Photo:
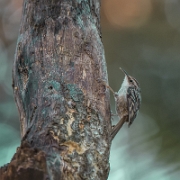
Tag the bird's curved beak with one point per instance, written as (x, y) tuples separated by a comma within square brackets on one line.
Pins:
[(123, 71)]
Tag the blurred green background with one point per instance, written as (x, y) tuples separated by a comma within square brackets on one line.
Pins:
[(143, 37)]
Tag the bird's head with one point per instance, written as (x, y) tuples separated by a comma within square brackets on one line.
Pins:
[(129, 81)]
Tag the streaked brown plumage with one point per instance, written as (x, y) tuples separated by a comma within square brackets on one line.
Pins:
[(128, 100)]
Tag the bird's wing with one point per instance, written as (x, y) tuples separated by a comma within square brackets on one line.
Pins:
[(133, 100)]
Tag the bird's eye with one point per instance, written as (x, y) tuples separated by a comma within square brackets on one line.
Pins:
[(130, 80)]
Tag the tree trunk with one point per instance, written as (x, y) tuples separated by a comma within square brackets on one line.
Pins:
[(64, 110)]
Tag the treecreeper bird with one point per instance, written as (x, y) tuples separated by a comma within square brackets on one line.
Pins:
[(127, 101)]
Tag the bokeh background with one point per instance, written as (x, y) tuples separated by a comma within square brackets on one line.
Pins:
[(143, 37)]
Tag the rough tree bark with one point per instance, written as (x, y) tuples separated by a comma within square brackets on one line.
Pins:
[(64, 110)]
